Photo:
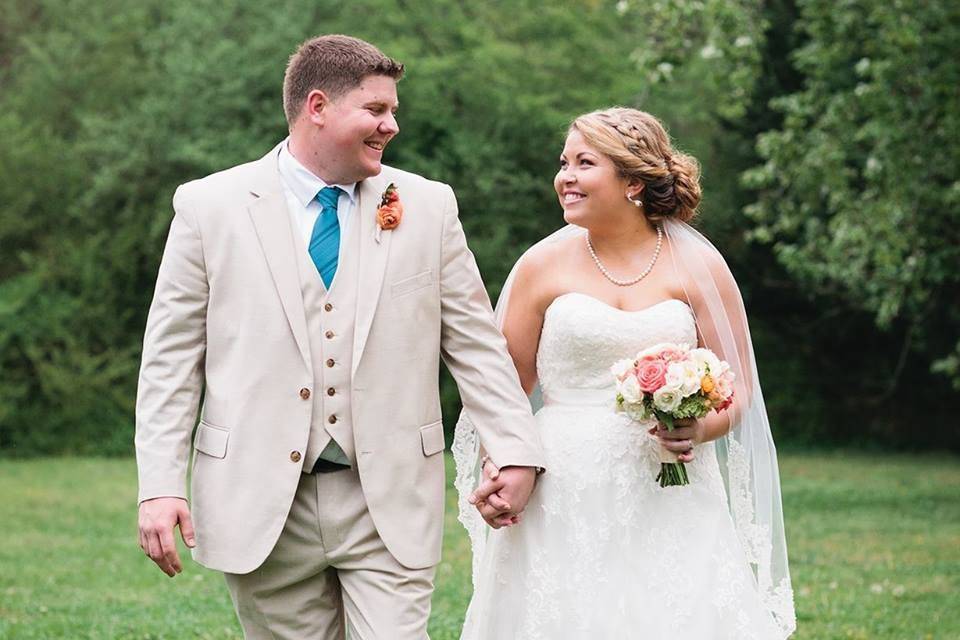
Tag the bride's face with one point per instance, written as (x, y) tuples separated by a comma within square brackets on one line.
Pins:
[(591, 191)]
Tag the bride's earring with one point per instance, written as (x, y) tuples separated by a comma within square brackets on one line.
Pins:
[(637, 202)]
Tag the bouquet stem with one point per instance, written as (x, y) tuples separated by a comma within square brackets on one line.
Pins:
[(673, 473)]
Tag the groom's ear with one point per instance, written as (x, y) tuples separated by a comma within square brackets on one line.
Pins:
[(316, 106)]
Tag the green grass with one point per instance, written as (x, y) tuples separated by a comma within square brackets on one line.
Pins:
[(874, 543)]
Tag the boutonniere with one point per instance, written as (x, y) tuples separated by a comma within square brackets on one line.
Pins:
[(390, 211)]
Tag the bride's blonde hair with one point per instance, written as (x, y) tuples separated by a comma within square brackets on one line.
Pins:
[(640, 149)]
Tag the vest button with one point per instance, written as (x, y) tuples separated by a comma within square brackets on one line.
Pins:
[(332, 419), (295, 456), (331, 362), (305, 393), (331, 391), (328, 307), (329, 334)]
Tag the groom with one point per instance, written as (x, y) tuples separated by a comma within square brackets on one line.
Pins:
[(311, 321)]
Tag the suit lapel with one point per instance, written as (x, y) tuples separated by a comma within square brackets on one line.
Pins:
[(272, 224), (373, 262)]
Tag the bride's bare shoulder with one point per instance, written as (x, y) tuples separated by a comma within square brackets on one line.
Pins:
[(546, 256), (539, 270)]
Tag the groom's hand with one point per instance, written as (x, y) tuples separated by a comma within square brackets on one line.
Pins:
[(157, 519), (504, 493)]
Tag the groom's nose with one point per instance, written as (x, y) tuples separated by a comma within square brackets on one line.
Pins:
[(389, 125)]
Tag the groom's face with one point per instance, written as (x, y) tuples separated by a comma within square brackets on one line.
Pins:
[(359, 126)]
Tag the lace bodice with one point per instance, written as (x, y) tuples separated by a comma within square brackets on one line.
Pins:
[(583, 336)]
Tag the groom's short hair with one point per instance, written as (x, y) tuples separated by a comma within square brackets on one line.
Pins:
[(334, 64)]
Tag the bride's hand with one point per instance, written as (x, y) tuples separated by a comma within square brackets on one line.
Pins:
[(686, 433)]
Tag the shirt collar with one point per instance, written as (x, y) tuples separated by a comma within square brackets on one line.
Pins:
[(304, 183)]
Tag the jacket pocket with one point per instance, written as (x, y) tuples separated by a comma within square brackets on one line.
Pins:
[(411, 284), (431, 437), (211, 440)]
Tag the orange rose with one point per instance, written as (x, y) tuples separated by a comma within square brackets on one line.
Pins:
[(389, 215)]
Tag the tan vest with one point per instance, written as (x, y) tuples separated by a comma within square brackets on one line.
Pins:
[(330, 322)]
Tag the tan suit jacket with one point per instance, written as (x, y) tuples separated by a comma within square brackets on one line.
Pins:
[(227, 324)]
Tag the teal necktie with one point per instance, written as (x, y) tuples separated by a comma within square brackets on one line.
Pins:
[(325, 239)]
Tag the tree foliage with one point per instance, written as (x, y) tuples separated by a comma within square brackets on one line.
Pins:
[(859, 189), (106, 106)]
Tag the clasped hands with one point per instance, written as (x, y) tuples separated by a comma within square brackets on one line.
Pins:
[(503, 494)]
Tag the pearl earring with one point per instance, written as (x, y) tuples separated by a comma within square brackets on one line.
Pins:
[(637, 202)]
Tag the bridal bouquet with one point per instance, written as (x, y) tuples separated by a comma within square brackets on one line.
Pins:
[(669, 382)]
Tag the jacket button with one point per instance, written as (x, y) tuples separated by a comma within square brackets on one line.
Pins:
[(332, 419), (295, 456), (328, 307), (331, 362), (329, 334), (331, 391), (305, 393)]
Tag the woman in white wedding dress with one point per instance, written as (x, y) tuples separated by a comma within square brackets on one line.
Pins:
[(602, 551)]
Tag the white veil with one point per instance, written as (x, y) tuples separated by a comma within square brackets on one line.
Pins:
[(747, 456)]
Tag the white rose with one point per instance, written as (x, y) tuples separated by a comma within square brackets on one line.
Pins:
[(629, 388), (685, 376), (667, 398), (636, 412), (706, 362), (620, 368)]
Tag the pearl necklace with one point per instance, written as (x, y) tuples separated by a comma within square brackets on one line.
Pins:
[(643, 274)]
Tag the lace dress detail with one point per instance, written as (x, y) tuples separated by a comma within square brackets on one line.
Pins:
[(604, 551)]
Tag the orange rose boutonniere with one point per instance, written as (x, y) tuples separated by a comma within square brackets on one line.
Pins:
[(390, 211)]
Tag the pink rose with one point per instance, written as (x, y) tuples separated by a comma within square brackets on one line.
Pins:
[(651, 374), (725, 404), (724, 385), (672, 355)]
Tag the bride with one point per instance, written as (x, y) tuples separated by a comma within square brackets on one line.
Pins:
[(602, 550)]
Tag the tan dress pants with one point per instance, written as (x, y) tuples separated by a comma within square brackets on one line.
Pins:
[(330, 576)]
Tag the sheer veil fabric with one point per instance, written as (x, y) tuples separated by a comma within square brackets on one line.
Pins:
[(747, 456)]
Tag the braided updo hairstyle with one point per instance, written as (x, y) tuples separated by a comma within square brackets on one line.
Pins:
[(640, 149)]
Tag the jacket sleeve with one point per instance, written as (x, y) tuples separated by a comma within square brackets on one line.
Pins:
[(171, 370), (476, 353)]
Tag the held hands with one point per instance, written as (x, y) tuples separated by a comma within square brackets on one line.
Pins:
[(686, 433), (503, 494), (157, 519)]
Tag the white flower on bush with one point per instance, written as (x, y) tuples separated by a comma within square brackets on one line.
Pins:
[(667, 398), (684, 376), (621, 367), (629, 388)]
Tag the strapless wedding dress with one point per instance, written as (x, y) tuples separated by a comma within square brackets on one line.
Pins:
[(603, 551)]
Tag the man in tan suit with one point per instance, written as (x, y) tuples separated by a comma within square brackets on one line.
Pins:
[(313, 328)]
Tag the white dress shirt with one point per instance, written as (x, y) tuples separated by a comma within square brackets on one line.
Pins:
[(301, 186)]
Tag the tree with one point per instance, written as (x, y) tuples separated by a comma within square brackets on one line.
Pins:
[(859, 191)]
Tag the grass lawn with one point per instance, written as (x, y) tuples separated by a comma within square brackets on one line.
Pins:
[(874, 543)]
